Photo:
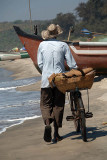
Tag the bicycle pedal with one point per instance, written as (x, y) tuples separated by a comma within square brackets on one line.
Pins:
[(73, 109), (70, 118), (88, 115)]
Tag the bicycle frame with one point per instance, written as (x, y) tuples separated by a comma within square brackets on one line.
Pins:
[(78, 112)]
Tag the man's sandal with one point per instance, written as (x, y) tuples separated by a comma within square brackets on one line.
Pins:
[(47, 133), (57, 138)]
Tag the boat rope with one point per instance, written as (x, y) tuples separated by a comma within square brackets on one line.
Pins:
[(30, 16)]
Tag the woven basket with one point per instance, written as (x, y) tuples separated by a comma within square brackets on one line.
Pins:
[(65, 84)]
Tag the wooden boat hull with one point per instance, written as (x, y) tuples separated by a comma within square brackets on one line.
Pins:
[(91, 54), (31, 43), (86, 54)]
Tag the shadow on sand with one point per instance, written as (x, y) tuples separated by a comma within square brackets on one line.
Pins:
[(99, 78), (92, 134)]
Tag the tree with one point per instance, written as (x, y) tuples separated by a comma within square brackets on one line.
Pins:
[(93, 14), (65, 21)]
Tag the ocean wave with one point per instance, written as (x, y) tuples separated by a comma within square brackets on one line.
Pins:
[(34, 102), (20, 121), (28, 103), (17, 83), (9, 106), (9, 88), (15, 105)]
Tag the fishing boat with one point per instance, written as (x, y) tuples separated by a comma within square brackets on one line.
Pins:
[(86, 54), (12, 55)]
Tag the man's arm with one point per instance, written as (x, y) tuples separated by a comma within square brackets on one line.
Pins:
[(69, 58)]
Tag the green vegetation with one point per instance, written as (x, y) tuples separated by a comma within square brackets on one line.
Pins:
[(91, 15)]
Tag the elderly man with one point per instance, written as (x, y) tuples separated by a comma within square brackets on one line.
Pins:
[(51, 56)]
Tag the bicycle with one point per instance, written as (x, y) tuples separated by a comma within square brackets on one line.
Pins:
[(78, 113), (72, 82)]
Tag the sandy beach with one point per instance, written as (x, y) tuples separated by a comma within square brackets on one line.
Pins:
[(25, 141)]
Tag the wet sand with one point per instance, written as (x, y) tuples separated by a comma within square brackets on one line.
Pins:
[(25, 141)]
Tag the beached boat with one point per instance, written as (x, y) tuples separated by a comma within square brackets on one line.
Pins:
[(13, 55), (86, 54)]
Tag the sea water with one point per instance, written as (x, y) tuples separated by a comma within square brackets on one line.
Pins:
[(17, 106)]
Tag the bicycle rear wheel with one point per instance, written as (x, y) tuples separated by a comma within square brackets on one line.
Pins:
[(82, 119), (74, 111)]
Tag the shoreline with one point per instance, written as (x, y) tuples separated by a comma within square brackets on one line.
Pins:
[(22, 121), (22, 69), (25, 141), (20, 73)]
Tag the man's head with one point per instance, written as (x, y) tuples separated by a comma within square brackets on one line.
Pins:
[(51, 32)]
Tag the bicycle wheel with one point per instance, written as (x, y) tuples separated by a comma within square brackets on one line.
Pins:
[(82, 119), (74, 111)]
